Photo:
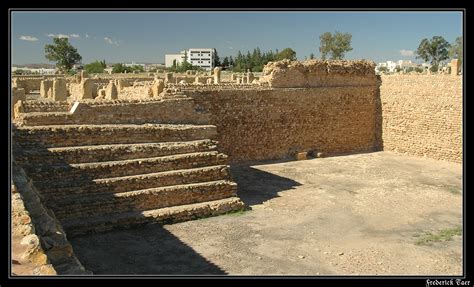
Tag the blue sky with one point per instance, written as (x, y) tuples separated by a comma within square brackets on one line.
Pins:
[(148, 36)]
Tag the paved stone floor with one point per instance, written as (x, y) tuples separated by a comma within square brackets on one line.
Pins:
[(362, 214)]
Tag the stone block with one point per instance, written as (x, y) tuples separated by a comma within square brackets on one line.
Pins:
[(59, 90), (301, 156)]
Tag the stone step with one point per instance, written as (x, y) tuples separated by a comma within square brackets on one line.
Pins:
[(172, 111), (44, 118), (88, 171), (167, 215), (45, 106), (52, 190), (98, 153), (84, 135), (145, 199)]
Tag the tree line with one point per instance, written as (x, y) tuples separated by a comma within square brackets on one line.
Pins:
[(332, 46), (437, 49)]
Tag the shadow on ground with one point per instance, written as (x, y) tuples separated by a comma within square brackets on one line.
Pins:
[(152, 250), (145, 251), (256, 186)]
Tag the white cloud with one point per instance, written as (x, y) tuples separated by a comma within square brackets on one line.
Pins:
[(58, 36), (28, 38), (87, 35), (406, 53), (74, 35), (110, 41)]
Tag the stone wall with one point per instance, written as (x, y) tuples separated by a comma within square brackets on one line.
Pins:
[(174, 111), (422, 115), (318, 73), (18, 94), (29, 84), (278, 123), (46, 244)]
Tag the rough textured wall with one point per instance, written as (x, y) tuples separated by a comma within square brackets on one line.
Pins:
[(116, 112), (278, 123), (29, 84), (422, 115), (318, 73), (47, 245)]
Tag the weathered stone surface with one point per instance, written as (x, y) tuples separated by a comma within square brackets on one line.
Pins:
[(319, 73), (18, 94), (275, 123), (302, 156), (455, 67), (169, 78), (83, 90), (59, 90), (45, 270), (44, 242), (163, 111), (111, 92), (422, 115), (217, 75), (45, 88), (27, 83), (157, 87)]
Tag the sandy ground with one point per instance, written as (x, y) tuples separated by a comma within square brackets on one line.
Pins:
[(348, 215)]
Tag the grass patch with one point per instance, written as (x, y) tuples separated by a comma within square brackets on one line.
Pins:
[(236, 212), (453, 189), (428, 238)]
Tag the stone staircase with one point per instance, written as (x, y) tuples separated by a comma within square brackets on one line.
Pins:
[(97, 177)]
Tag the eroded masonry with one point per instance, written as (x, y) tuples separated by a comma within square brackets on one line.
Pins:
[(92, 154)]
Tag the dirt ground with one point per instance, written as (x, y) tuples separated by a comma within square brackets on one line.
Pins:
[(360, 214)]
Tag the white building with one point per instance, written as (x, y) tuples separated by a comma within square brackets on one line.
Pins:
[(134, 64), (171, 59), (201, 57), (390, 65), (406, 65)]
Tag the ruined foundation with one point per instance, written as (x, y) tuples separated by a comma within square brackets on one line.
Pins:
[(105, 154)]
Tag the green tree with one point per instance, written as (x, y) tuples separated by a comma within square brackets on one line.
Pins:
[(311, 56), (95, 67), (383, 69), (137, 68), (217, 61), (434, 51), (121, 68), (456, 49), (19, 72), (63, 53), (225, 62), (335, 45), (287, 53)]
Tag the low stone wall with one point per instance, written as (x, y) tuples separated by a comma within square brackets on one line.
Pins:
[(279, 123), (110, 112), (422, 115), (18, 94), (29, 84), (46, 243), (45, 106), (75, 135)]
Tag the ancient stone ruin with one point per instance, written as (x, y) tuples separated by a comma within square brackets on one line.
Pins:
[(104, 153)]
